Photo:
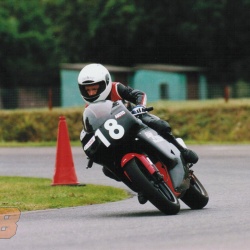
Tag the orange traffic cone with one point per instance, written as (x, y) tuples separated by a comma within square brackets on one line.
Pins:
[(64, 167)]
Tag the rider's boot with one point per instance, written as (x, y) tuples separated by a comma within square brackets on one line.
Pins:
[(164, 129), (188, 155)]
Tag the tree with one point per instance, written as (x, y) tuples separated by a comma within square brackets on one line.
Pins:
[(219, 31), (36, 35), (28, 48)]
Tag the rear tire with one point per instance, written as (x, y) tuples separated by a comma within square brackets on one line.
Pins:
[(196, 197), (159, 194)]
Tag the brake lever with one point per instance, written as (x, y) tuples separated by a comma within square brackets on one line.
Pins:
[(149, 109)]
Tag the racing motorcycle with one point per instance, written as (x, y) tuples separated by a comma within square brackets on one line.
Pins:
[(139, 157)]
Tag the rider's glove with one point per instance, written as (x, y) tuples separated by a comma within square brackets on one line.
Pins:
[(138, 110)]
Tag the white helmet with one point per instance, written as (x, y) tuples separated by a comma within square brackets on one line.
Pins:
[(95, 74)]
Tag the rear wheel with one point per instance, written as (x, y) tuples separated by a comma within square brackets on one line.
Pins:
[(196, 197), (156, 191)]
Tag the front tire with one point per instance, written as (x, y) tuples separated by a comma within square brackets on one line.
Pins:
[(196, 197), (158, 193)]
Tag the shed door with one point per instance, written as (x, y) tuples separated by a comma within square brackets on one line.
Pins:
[(164, 91), (193, 86)]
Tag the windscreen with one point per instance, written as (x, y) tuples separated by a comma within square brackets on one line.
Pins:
[(96, 114)]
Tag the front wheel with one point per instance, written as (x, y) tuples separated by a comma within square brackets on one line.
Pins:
[(196, 197), (158, 193)]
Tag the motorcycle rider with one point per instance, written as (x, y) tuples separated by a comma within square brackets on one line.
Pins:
[(95, 84)]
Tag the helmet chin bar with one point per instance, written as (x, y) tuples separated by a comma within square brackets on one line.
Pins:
[(91, 99)]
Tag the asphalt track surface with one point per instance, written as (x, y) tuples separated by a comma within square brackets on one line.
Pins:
[(223, 224)]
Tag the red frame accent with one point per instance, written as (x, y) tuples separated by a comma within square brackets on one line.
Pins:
[(161, 167), (126, 158), (163, 170)]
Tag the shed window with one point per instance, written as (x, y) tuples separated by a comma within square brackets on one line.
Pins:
[(164, 91)]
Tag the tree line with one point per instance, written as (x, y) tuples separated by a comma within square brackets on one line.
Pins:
[(37, 35)]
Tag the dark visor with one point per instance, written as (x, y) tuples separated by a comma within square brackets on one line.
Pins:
[(102, 87)]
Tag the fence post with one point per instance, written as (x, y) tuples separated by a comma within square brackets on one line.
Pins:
[(50, 104), (226, 93)]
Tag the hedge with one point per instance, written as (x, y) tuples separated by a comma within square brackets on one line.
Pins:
[(230, 124)]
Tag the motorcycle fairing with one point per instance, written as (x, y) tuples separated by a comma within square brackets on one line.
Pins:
[(150, 141), (107, 125), (168, 154)]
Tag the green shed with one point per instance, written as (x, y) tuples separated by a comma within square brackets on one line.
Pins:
[(158, 81), (170, 82)]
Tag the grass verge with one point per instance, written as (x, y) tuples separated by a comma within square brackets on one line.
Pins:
[(29, 194)]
